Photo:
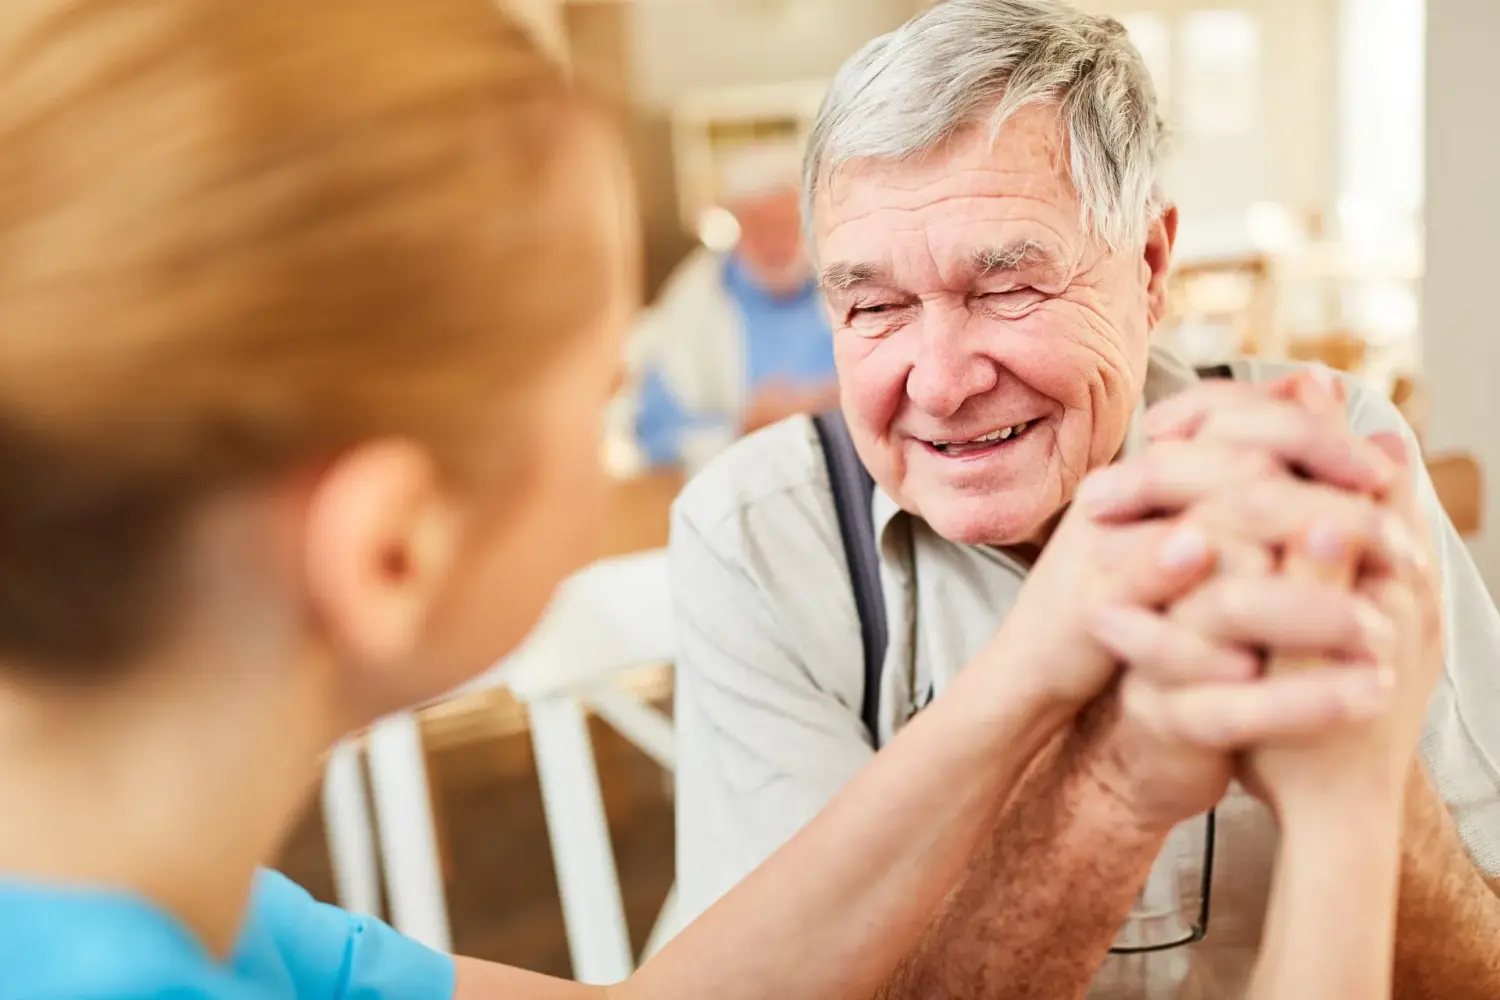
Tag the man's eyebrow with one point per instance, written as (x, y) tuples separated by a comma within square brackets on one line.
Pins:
[(1013, 257), (844, 275)]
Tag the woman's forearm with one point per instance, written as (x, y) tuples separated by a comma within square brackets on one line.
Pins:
[(1330, 930), (832, 912)]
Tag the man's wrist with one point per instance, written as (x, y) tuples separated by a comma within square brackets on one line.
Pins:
[(1094, 793), (1020, 716)]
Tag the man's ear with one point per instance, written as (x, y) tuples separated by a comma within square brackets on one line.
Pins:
[(1160, 238), (381, 537)]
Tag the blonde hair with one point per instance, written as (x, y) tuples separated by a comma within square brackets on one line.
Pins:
[(239, 235)]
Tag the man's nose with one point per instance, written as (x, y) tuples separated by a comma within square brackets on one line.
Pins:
[(948, 369)]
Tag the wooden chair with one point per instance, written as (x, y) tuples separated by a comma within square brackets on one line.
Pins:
[(1460, 488)]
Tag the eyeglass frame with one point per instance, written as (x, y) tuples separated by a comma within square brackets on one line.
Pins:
[(1200, 926)]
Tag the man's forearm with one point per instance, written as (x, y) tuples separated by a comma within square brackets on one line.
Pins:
[(1448, 920), (834, 910), (1042, 900)]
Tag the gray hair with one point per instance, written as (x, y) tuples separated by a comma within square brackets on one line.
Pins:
[(968, 62)]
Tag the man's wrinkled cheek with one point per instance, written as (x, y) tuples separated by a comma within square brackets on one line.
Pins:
[(872, 387)]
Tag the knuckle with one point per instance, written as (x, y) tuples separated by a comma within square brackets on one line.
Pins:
[(1225, 604), (1259, 504), (1255, 463), (1363, 622)]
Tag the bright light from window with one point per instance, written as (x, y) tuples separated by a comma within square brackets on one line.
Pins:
[(1219, 64), (1153, 39), (718, 229)]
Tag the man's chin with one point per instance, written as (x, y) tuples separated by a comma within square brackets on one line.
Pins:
[(988, 521)]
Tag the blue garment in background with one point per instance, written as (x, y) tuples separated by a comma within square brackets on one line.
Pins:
[(82, 944), (786, 338)]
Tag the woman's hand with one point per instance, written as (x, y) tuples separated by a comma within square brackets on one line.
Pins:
[(1363, 767)]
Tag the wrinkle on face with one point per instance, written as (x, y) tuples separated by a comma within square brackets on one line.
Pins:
[(1064, 344)]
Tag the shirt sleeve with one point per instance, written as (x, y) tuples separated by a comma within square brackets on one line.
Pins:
[(762, 744), (1461, 741), (325, 953), (660, 420)]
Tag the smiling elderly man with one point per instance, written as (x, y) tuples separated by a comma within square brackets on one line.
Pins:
[(982, 193)]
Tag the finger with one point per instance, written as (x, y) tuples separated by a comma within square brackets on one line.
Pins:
[(1319, 446), (1168, 477), (1287, 615), (1180, 415), (1320, 557), (1166, 652), (1230, 502), (1288, 512), (1176, 558), (1316, 447), (1401, 494), (1313, 386), (1235, 715), (1415, 621), (1317, 389)]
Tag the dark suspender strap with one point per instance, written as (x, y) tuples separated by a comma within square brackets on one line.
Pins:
[(853, 500)]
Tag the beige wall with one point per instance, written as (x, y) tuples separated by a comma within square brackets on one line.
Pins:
[(1292, 156), (655, 51), (1461, 345), (682, 46)]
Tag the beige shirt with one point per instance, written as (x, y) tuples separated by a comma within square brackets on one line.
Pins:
[(771, 678)]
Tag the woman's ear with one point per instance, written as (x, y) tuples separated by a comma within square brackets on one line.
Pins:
[(1160, 238), (381, 541)]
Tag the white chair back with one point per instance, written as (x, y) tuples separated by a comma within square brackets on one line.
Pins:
[(612, 616)]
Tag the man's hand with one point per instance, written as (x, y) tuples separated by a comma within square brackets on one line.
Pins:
[(776, 401)]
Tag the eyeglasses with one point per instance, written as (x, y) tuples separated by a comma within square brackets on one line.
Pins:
[(1157, 923)]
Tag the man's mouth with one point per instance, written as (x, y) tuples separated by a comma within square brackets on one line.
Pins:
[(994, 439)]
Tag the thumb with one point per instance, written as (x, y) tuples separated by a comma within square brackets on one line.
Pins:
[(1393, 446)]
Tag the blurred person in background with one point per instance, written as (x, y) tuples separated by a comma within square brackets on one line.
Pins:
[(300, 396), (984, 201), (737, 340)]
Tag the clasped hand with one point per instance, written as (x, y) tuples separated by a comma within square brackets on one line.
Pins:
[(1264, 578)]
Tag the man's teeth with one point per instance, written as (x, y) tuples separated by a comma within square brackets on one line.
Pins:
[(1000, 435)]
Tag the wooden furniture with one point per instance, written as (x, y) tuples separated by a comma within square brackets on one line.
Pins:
[(1460, 488), (638, 513), (637, 517), (711, 124), (1456, 476), (636, 520), (1338, 349), (1232, 294)]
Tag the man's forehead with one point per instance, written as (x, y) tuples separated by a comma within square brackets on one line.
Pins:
[(1026, 157), (970, 197)]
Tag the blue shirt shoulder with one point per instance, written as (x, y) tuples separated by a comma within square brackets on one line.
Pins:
[(79, 944)]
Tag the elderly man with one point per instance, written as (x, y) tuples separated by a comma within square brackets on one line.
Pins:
[(982, 194), (737, 340)]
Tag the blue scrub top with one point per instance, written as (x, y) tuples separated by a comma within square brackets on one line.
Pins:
[(78, 944), (786, 339)]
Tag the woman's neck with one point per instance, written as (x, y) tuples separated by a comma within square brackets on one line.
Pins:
[(173, 785)]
